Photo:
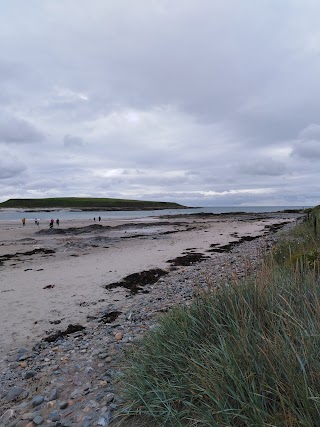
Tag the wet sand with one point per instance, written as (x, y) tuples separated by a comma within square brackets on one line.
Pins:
[(52, 278)]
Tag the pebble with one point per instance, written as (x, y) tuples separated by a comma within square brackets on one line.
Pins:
[(104, 420), (38, 420), (29, 374), (109, 397), (37, 400), (22, 423), (27, 416), (53, 395), (16, 393), (118, 336), (55, 416), (81, 370), (23, 364), (63, 405), (103, 355)]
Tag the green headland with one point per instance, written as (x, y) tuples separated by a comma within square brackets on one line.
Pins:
[(88, 203)]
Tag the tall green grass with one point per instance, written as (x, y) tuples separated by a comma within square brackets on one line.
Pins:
[(300, 247), (244, 355)]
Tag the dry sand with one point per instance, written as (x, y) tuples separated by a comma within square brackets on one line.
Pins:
[(40, 292)]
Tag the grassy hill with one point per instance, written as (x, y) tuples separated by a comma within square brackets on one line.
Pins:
[(87, 203)]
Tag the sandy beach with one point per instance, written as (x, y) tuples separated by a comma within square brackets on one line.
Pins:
[(51, 278), (75, 297)]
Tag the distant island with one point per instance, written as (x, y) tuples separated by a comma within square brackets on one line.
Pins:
[(88, 204)]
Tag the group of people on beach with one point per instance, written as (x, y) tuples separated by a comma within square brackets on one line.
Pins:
[(52, 222), (37, 222)]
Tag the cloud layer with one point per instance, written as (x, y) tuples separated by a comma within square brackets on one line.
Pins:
[(203, 103)]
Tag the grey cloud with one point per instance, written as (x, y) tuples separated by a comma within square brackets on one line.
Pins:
[(192, 173), (206, 95), (72, 141), (17, 130), (308, 146), (8, 71), (267, 167), (146, 55), (10, 166), (312, 131), (133, 172), (307, 150)]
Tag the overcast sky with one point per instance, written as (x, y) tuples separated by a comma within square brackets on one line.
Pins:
[(201, 102)]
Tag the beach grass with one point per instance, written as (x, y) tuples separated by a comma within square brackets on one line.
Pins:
[(87, 203), (247, 354)]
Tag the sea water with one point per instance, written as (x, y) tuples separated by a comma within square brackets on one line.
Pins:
[(17, 215)]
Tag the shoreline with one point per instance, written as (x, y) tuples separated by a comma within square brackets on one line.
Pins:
[(288, 209), (46, 274), (114, 318)]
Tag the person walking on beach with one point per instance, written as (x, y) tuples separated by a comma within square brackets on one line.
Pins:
[(57, 222), (51, 223), (99, 218), (23, 221)]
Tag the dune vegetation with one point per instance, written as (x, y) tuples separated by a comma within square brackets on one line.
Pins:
[(87, 203), (243, 355)]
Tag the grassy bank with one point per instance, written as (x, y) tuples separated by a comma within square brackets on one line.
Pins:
[(87, 203), (244, 355)]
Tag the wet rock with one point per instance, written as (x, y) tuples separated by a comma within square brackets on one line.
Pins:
[(71, 329), (16, 393), (63, 405), (38, 420), (37, 400), (109, 317), (134, 282), (29, 374), (54, 416), (53, 395), (17, 256), (188, 259)]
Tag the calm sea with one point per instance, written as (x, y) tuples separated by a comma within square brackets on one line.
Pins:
[(11, 215)]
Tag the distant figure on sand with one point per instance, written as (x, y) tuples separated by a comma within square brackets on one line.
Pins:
[(23, 221), (94, 218), (99, 218), (57, 221), (36, 221), (51, 223)]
